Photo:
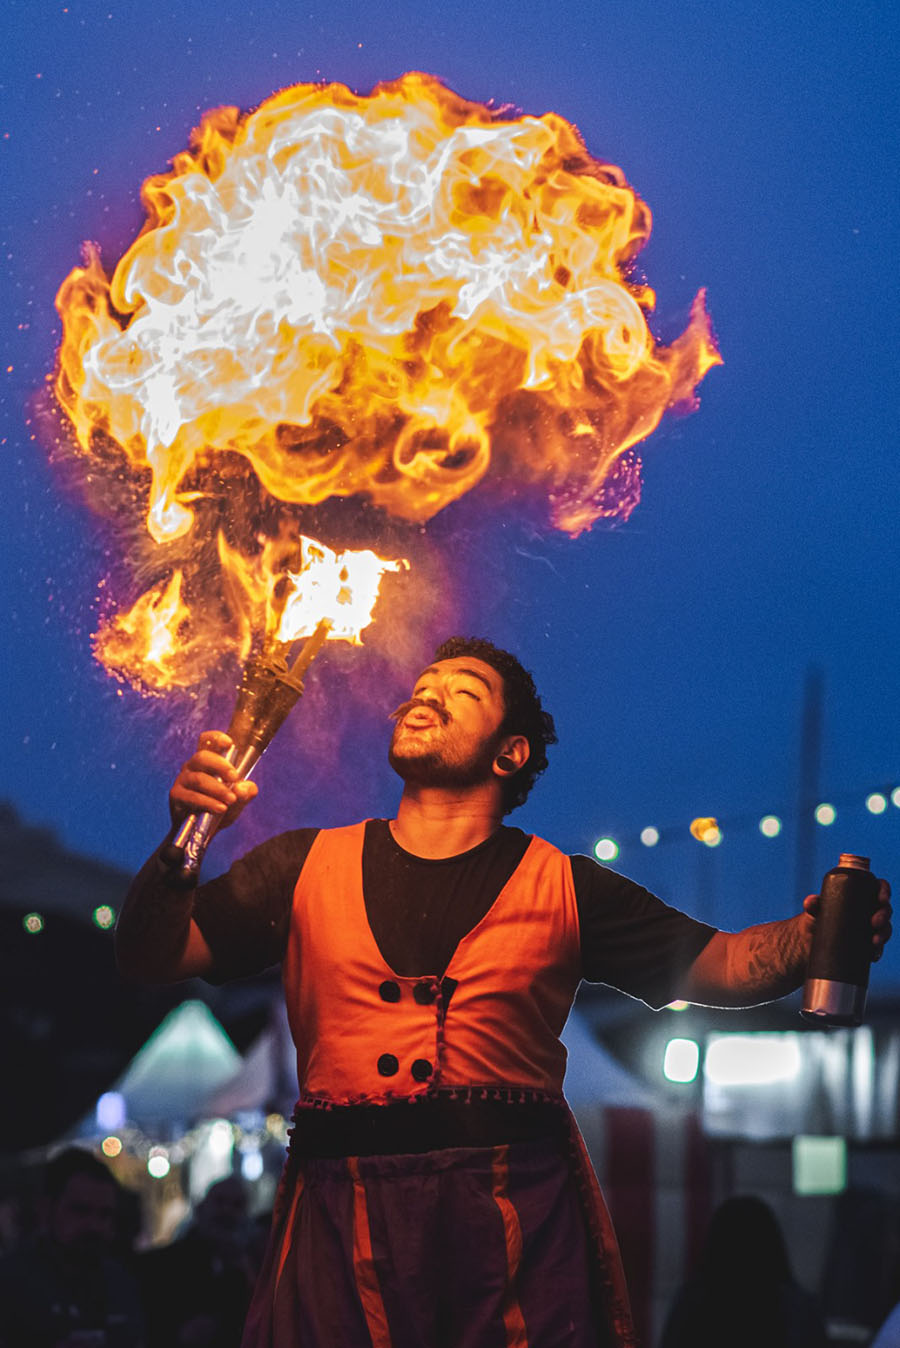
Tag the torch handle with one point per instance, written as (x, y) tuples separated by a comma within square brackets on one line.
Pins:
[(183, 855)]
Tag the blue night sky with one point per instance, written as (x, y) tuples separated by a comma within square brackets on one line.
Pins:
[(671, 649)]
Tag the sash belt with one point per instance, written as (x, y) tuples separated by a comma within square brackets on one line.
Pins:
[(431, 1124)]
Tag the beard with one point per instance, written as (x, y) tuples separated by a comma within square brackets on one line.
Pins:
[(445, 763)]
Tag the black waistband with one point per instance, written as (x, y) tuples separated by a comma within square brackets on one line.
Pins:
[(425, 1124)]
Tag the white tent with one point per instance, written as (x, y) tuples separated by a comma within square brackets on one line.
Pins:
[(187, 1057)]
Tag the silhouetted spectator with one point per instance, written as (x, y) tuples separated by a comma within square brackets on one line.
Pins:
[(197, 1290), (744, 1294), (68, 1289)]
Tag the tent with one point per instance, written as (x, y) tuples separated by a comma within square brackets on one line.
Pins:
[(187, 1057)]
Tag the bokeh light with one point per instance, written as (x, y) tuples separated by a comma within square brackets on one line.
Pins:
[(876, 803), (770, 826), (33, 923), (606, 849), (251, 1165), (650, 836), (158, 1163), (104, 916), (825, 814), (111, 1146)]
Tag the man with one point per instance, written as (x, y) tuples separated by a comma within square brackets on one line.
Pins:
[(436, 1190), (197, 1289), (68, 1289)]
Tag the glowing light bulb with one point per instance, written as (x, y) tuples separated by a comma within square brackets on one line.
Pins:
[(606, 849)]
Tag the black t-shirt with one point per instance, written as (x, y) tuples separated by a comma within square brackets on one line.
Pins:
[(420, 909)]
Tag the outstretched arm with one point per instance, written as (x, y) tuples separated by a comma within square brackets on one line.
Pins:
[(762, 963), (157, 940)]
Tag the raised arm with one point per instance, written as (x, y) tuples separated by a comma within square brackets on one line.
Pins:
[(157, 940), (762, 963)]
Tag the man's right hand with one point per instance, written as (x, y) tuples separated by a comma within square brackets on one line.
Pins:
[(208, 783)]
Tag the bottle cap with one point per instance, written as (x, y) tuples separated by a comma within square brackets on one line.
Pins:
[(853, 862)]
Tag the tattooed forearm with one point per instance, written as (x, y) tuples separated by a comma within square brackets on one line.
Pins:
[(743, 968), (769, 960)]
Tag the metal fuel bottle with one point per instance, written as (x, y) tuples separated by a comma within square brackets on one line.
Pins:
[(837, 976)]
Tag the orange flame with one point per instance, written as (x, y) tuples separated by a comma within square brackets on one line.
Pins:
[(381, 295), (161, 643)]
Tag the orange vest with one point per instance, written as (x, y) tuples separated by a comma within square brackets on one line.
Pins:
[(365, 1034)]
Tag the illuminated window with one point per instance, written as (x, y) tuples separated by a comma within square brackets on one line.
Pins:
[(752, 1059), (819, 1165), (681, 1061)]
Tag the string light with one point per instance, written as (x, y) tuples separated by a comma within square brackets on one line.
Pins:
[(710, 831), (606, 849)]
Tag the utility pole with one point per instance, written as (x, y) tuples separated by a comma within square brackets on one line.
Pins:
[(808, 784)]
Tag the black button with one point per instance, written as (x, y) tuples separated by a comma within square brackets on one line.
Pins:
[(389, 991), (388, 1066), (448, 987), (424, 993), (421, 1069)]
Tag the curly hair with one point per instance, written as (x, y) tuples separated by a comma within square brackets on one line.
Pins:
[(523, 714)]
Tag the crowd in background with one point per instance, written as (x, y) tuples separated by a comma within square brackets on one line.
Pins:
[(79, 1280)]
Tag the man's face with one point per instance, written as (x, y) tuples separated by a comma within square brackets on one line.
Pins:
[(83, 1218), (447, 734)]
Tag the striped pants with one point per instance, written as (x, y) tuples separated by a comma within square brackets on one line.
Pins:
[(460, 1248)]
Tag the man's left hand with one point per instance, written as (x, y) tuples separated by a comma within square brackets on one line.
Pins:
[(881, 918)]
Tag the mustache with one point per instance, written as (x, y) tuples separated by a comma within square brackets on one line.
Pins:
[(440, 712)]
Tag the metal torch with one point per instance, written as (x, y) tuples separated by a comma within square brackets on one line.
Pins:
[(268, 691)]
